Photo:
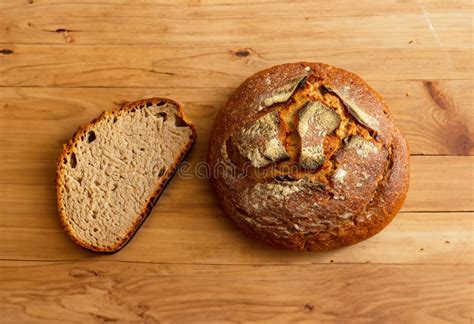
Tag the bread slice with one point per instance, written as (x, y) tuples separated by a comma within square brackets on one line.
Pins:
[(113, 170)]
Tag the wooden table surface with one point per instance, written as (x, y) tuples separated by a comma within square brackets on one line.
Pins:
[(63, 62)]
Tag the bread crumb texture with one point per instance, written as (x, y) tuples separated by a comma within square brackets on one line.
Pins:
[(111, 172)]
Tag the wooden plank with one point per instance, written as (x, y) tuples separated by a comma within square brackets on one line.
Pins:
[(236, 23), (29, 184), (213, 22), (198, 234), (34, 122), (63, 62), (433, 180), (214, 66), (449, 22), (155, 293)]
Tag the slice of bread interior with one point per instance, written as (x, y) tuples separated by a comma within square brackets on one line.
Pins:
[(113, 170)]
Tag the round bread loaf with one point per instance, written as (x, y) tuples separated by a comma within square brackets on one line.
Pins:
[(307, 157)]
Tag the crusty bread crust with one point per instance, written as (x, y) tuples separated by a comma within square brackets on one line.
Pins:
[(298, 233), (69, 148)]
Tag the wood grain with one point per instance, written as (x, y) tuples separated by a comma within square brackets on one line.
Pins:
[(443, 110), (29, 184), (116, 291), (235, 22), (64, 62), (198, 234), (197, 67)]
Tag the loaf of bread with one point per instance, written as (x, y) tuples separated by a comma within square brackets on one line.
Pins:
[(307, 156), (113, 170)]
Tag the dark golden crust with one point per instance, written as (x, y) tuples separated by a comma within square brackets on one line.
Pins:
[(391, 185), (69, 148)]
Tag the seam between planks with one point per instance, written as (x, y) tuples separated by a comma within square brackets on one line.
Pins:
[(328, 264), (224, 87)]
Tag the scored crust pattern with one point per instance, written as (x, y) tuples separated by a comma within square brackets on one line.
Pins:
[(312, 158)]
